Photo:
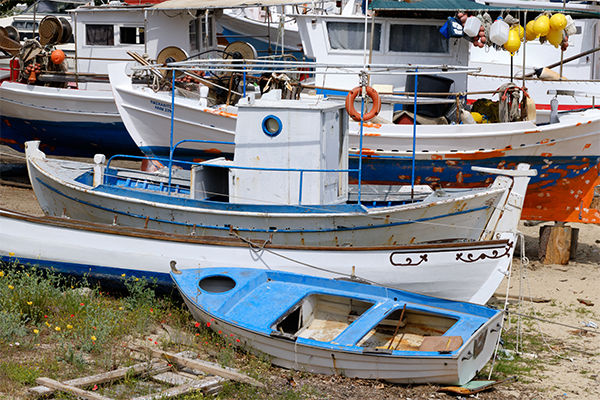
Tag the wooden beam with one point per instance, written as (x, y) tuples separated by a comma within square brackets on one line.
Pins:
[(138, 369), (525, 298), (206, 384), (84, 394), (199, 365)]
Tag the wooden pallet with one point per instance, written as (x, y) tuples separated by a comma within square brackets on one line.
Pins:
[(184, 374)]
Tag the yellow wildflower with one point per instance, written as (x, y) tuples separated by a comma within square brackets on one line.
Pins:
[(11, 287), (93, 338), (137, 279), (69, 326), (47, 324), (11, 253), (29, 303), (1, 273), (57, 328), (123, 275), (36, 331)]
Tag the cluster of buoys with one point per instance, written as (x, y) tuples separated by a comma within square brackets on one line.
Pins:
[(509, 34), (554, 28), (188, 79), (473, 28), (32, 70)]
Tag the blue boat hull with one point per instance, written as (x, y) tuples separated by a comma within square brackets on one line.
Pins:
[(74, 139)]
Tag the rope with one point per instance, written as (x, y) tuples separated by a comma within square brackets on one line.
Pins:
[(263, 248), (13, 155), (505, 308)]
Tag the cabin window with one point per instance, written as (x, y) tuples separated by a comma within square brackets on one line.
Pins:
[(99, 35), (24, 25), (201, 38), (417, 39), (131, 35), (351, 35)]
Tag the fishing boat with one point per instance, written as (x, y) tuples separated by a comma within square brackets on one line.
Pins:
[(287, 183), (336, 327), (459, 270), (72, 111), (564, 152)]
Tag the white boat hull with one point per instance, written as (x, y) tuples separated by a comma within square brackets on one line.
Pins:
[(460, 271), (470, 215)]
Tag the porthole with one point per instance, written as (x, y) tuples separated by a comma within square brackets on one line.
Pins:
[(217, 284), (271, 125)]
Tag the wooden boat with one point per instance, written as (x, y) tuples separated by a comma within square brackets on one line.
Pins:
[(289, 186), (459, 270), (343, 328)]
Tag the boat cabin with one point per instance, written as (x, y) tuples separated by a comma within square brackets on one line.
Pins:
[(286, 152), (338, 39), (104, 34)]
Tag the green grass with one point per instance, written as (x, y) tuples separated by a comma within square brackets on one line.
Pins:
[(54, 326)]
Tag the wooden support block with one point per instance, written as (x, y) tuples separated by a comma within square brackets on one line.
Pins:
[(574, 242), (556, 244)]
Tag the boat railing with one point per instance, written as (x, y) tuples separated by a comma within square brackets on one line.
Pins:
[(181, 185), (247, 67)]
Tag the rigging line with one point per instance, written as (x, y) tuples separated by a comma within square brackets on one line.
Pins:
[(520, 237), (553, 322), (251, 244), (540, 319), (13, 155)]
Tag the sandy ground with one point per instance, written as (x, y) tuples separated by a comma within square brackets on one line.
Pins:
[(572, 356)]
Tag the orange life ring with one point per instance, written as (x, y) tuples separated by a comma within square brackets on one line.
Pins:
[(372, 93)]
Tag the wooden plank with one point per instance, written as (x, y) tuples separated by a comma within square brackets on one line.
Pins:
[(525, 298), (441, 343), (173, 378), (84, 394), (155, 367), (209, 384), (199, 365)]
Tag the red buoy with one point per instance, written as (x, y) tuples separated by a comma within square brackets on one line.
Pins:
[(57, 56)]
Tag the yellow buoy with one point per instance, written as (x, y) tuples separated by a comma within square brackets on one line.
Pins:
[(558, 22), (520, 30), (477, 117), (555, 37), (513, 43), (542, 25), (530, 32)]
